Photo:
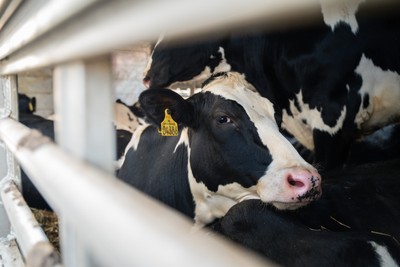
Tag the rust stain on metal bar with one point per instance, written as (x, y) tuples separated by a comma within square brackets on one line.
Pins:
[(17, 197), (43, 254), (33, 140)]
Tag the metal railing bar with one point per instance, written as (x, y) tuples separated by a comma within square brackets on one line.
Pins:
[(9, 11), (99, 30), (35, 18), (30, 236), (114, 24)]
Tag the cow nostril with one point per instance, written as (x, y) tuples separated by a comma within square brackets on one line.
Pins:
[(294, 183)]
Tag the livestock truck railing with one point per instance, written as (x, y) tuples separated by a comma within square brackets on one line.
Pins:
[(103, 222)]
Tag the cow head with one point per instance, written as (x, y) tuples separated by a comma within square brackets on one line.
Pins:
[(171, 63), (26, 105), (236, 150)]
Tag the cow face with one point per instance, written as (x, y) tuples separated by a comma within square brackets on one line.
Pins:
[(173, 63), (236, 150)]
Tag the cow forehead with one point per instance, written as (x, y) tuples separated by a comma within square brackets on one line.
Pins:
[(234, 87)]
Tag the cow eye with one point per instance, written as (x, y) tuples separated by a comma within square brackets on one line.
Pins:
[(224, 119)]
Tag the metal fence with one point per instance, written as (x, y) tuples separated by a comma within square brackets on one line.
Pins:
[(102, 221)]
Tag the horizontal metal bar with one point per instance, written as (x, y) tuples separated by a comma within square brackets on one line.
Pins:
[(120, 225), (35, 18), (32, 240), (9, 9), (114, 24)]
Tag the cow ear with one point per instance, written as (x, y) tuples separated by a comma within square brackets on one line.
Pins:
[(154, 102)]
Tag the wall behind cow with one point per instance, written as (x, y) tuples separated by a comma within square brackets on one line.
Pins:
[(128, 65), (39, 84)]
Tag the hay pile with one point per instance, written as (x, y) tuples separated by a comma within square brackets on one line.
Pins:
[(49, 222)]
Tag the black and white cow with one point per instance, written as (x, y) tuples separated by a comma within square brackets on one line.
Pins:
[(330, 82), (354, 223), (127, 117), (289, 242), (26, 108), (26, 104), (229, 149)]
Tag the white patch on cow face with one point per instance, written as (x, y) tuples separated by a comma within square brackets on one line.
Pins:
[(384, 256), (303, 121), (270, 186), (340, 11), (211, 205), (383, 88)]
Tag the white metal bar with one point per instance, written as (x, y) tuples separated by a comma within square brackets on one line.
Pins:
[(8, 86), (70, 128), (9, 11), (83, 102), (28, 231), (5, 225), (8, 165), (35, 18), (120, 225), (74, 253), (113, 24), (10, 254)]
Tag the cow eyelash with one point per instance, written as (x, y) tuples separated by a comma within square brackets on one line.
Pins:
[(224, 119)]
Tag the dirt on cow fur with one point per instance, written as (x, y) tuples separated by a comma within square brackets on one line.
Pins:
[(49, 222)]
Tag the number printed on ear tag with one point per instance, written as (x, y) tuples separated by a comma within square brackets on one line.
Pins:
[(168, 126)]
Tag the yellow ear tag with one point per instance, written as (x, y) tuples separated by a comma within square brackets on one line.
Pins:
[(168, 126), (30, 106)]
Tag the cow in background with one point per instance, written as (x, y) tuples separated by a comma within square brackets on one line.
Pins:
[(354, 223), (27, 107), (289, 242), (26, 104), (329, 83), (127, 117)]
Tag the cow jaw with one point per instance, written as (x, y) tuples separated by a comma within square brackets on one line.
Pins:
[(211, 205)]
